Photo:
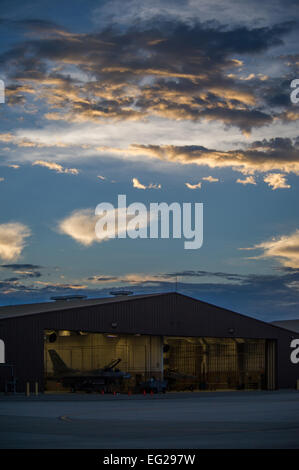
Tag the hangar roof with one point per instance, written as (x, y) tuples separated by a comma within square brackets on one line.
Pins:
[(12, 311), (288, 324), (24, 310)]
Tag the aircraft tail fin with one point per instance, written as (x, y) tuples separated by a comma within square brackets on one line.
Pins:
[(59, 365)]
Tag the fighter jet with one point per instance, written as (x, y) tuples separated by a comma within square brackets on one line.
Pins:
[(91, 380)]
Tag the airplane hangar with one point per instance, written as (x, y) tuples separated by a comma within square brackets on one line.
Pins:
[(122, 343)]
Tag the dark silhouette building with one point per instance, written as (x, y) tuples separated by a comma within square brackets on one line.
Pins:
[(189, 343)]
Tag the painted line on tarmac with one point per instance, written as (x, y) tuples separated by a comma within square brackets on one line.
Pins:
[(65, 418)]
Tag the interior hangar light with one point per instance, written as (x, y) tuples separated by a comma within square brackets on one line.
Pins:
[(64, 333)]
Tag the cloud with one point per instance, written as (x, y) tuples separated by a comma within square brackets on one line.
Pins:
[(190, 275), (210, 179), (80, 226), (193, 186), (12, 240), (267, 297), (103, 278), (247, 180), (263, 156), (14, 166), (17, 266), (20, 140), (138, 185), (61, 286), (8, 137), (284, 248), (167, 68), (188, 11), (276, 181), (56, 167), (24, 271)]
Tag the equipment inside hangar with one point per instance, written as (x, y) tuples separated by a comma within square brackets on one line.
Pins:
[(185, 363)]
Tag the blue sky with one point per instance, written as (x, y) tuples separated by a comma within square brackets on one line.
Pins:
[(190, 97)]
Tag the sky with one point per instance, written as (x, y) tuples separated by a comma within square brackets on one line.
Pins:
[(162, 101)]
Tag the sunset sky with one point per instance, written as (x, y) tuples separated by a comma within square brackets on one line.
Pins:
[(185, 101)]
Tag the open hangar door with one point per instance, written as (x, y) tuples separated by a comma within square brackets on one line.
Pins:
[(99, 362), (218, 363), (122, 362)]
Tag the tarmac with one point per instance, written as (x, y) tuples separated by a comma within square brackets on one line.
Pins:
[(198, 420)]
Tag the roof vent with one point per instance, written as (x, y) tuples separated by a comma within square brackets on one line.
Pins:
[(118, 293), (66, 298)]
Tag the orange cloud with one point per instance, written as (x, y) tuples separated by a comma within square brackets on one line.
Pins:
[(56, 167)]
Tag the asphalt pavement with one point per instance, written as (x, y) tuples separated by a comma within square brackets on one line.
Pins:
[(250, 420)]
